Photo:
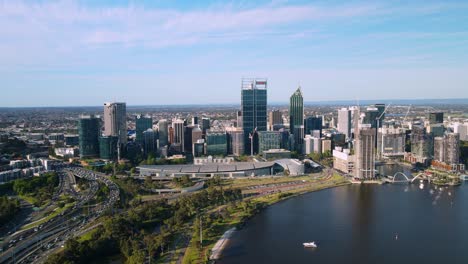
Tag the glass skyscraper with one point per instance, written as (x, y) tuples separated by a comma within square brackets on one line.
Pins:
[(142, 123), (89, 128), (254, 111), (296, 109)]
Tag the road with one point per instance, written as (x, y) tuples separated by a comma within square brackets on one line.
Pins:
[(35, 244)]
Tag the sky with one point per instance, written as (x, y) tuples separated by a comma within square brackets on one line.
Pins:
[(80, 53)]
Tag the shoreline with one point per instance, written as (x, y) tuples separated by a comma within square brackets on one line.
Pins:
[(225, 238)]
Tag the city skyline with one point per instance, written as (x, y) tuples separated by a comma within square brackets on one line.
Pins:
[(82, 53)]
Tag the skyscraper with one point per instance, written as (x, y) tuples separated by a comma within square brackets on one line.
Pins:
[(274, 118), (205, 124), (108, 147), (163, 132), (150, 138), (142, 123), (178, 126), (436, 117), (89, 130), (216, 143), (312, 123), (296, 109), (254, 111), (452, 149), (344, 122), (239, 119), (365, 153), (115, 121)]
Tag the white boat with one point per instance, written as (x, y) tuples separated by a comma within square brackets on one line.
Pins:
[(310, 245)]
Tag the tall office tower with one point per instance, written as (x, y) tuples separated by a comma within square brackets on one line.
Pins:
[(296, 109), (365, 153), (236, 142), (197, 134), (178, 126), (344, 122), (284, 139), (355, 119), (239, 119), (274, 118), (171, 135), (142, 123), (439, 149), (298, 135), (254, 111), (205, 124), (436, 117), (89, 130), (269, 140), (370, 116), (150, 138), (313, 123), (115, 121), (391, 142), (194, 120), (188, 138), (452, 148), (381, 113), (216, 143), (108, 147), (459, 128), (163, 132), (421, 144)]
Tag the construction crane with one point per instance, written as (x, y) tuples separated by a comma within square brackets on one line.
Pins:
[(407, 112), (378, 125)]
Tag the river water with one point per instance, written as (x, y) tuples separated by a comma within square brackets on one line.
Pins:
[(392, 223)]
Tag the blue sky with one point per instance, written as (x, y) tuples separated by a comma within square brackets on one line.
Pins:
[(56, 53)]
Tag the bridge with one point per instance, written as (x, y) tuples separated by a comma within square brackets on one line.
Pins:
[(401, 177)]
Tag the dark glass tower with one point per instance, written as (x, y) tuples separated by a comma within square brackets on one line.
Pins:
[(296, 109), (296, 118), (142, 123), (313, 123), (89, 128), (254, 111)]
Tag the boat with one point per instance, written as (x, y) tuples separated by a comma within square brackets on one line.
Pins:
[(310, 245)]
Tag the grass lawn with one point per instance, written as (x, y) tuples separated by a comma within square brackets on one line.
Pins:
[(47, 218)]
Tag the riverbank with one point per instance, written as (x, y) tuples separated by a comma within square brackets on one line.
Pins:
[(237, 214)]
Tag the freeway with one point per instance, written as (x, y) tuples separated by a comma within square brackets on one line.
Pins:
[(33, 245)]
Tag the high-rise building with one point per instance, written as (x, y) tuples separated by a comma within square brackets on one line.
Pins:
[(452, 149), (197, 134), (313, 123), (236, 142), (460, 128), (344, 122), (216, 143), (269, 140), (274, 118), (150, 138), (178, 126), (439, 149), (298, 134), (421, 143), (205, 125), (371, 116), (436, 117), (89, 130), (163, 132), (365, 152), (108, 146), (239, 119), (115, 121), (254, 111), (194, 120), (142, 123), (296, 109), (391, 142), (381, 114), (188, 138)]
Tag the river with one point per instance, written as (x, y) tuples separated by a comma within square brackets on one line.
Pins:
[(392, 223)]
